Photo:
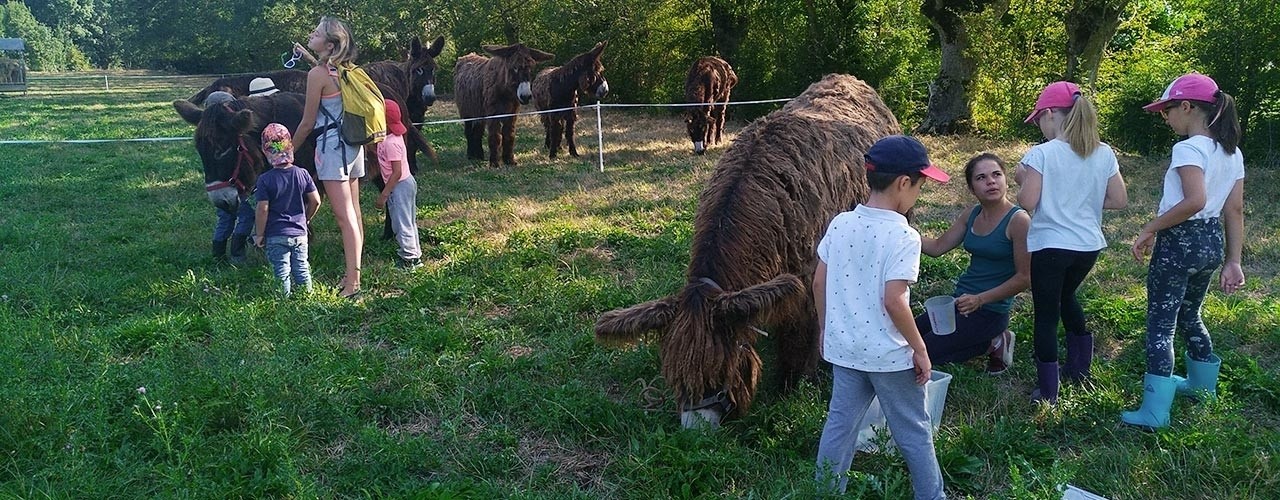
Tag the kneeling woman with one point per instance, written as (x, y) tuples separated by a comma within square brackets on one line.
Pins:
[(994, 232)]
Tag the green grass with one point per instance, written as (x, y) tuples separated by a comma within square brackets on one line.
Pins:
[(477, 376)]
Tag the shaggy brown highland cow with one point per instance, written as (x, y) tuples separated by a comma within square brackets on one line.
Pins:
[(489, 86), (756, 231), (710, 81), (559, 87)]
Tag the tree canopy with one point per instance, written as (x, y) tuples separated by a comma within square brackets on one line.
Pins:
[(983, 61)]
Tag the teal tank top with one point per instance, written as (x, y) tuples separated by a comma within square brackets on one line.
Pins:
[(990, 260)]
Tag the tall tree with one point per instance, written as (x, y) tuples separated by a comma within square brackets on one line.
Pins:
[(948, 110), (729, 22), (1090, 26)]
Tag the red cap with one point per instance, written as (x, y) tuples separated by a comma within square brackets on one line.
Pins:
[(1191, 86), (394, 124), (1056, 95)]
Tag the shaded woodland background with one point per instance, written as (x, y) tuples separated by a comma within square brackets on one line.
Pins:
[(944, 66)]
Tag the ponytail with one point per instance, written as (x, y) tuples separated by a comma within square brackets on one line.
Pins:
[(1224, 122), (1081, 128)]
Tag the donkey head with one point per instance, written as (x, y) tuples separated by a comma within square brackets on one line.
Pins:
[(422, 68), (707, 341), (696, 119), (591, 79), (227, 149), (519, 61)]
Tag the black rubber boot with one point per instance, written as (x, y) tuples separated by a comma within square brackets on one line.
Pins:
[(237, 248), (219, 250)]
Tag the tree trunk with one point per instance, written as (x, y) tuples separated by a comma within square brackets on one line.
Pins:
[(729, 21), (948, 111), (1090, 26)]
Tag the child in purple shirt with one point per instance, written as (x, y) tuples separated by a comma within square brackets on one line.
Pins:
[(287, 199)]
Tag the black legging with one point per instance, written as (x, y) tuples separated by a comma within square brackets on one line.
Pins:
[(1055, 276)]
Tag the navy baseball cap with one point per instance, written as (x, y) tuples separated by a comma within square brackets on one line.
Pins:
[(900, 154)]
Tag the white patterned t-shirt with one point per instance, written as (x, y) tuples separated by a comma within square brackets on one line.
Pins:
[(864, 249)]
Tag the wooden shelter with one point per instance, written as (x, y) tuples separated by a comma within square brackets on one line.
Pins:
[(13, 65)]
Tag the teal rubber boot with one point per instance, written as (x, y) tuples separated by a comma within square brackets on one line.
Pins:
[(1157, 397), (1202, 377)]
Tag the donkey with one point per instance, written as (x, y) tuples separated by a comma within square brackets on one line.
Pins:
[(559, 87), (756, 231), (289, 80), (228, 139), (414, 79), (710, 81), (498, 85)]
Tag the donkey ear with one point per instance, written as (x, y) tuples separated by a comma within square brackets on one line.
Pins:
[(243, 120), (540, 56), (599, 48), (436, 47), (189, 112), (499, 50), (750, 301), (415, 48), (625, 326)]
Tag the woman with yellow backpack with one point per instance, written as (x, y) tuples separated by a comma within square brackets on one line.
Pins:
[(339, 165)]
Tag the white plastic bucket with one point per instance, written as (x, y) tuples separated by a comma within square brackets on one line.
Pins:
[(935, 399), (942, 314)]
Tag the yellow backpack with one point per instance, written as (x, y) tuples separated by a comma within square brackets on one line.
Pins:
[(364, 117)]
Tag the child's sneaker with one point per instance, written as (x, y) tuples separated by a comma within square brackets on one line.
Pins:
[(408, 264), (1001, 355)]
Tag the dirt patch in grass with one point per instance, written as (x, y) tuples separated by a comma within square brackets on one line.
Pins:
[(579, 465)]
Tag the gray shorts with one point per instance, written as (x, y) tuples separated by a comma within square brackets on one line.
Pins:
[(330, 155)]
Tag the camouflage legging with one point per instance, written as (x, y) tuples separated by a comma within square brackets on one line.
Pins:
[(1182, 265)]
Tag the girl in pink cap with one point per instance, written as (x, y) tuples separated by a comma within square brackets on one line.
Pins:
[(1203, 188), (1065, 182)]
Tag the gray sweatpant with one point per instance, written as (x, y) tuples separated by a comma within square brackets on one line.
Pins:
[(402, 206), (904, 409)]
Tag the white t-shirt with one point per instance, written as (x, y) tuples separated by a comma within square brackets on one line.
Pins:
[(864, 249), (1069, 215), (1221, 171)]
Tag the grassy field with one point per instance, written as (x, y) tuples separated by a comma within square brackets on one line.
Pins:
[(136, 367)]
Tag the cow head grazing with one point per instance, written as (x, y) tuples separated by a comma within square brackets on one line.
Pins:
[(591, 79), (422, 69), (227, 147), (519, 61), (707, 341), (695, 122)]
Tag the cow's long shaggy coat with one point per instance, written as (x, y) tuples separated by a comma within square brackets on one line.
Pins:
[(710, 81), (489, 86), (559, 87), (758, 223), (289, 80)]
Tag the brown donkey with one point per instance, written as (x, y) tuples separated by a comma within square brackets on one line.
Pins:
[(710, 81), (755, 238), (498, 85), (560, 87)]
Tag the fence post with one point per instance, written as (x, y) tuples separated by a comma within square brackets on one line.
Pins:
[(106, 82), (599, 137)]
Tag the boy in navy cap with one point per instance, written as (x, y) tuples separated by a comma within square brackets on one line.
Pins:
[(867, 260)]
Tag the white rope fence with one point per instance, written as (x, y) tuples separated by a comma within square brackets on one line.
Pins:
[(598, 107)]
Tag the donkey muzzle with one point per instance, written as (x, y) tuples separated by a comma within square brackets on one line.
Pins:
[(699, 147), (602, 89), (429, 94), (227, 198), (524, 93)]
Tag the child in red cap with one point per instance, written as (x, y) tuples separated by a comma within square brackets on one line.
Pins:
[(399, 196), (1203, 188), (1065, 182), (287, 199)]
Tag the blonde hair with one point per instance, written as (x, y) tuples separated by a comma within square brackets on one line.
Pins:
[(344, 45), (1080, 129)]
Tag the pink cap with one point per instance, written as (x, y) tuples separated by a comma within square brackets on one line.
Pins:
[(1056, 95), (1192, 86)]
